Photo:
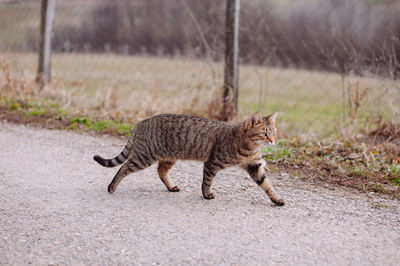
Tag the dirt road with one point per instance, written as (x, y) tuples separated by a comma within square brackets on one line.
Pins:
[(55, 209)]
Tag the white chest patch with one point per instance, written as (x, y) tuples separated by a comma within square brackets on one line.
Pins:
[(263, 163)]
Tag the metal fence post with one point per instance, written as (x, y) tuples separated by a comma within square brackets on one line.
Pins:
[(231, 60), (46, 30)]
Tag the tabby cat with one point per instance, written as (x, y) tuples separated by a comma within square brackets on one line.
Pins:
[(167, 138)]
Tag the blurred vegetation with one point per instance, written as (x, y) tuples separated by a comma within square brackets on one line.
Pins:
[(342, 36)]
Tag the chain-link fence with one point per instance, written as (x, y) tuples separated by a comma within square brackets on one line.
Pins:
[(320, 63)]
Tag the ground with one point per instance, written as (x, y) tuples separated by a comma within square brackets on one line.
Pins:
[(55, 209)]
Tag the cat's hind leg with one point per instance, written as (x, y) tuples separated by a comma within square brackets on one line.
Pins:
[(134, 164), (163, 168)]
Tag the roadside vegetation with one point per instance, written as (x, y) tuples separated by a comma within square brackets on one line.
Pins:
[(366, 167)]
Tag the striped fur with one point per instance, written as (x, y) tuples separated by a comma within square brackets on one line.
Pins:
[(117, 160), (167, 138)]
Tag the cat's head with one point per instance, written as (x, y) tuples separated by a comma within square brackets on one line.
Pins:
[(271, 133), (255, 128), (261, 130)]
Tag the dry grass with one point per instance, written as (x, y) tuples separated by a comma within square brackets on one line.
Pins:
[(309, 101), (139, 86)]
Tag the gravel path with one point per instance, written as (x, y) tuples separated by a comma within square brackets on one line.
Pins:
[(54, 209)]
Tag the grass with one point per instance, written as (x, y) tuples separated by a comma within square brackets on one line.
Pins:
[(101, 126), (48, 114), (358, 165), (309, 101)]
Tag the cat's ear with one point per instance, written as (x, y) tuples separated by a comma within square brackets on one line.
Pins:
[(272, 117), (253, 119)]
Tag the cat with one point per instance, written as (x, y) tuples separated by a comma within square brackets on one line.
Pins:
[(167, 138)]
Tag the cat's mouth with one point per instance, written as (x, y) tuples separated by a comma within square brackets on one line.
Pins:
[(268, 143)]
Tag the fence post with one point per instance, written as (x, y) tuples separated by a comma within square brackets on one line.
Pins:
[(231, 60), (46, 30)]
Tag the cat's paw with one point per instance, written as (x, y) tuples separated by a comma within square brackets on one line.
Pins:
[(209, 196), (279, 202), (175, 189), (111, 189)]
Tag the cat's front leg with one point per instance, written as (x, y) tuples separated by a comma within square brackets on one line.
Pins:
[(209, 172), (257, 173)]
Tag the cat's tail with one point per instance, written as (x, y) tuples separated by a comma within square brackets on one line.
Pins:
[(117, 160)]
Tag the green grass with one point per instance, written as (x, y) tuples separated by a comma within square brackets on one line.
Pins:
[(46, 112), (395, 174), (396, 181), (37, 111), (381, 205), (357, 172), (101, 125), (277, 152)]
